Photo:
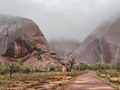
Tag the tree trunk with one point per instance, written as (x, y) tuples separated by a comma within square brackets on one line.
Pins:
[(11, 72), (63, 69)]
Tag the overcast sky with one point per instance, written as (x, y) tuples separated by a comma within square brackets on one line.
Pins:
[(73, 19)]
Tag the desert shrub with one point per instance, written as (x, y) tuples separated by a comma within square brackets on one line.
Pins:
[(97, 66), (27, 70), (52, 68), (17, 68), (4, 70), (56, 67), (111, 73), (81, 67), (116, 67), (20, 68), (100, 66)]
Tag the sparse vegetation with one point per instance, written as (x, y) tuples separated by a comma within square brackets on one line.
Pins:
[(14, 67), (56, 67), (31, 77), (81, 67), (110, 76), (16, 75), (72, 62), (33, 80), (100, 66)]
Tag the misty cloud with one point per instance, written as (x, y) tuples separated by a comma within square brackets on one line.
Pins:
[(73, 19)]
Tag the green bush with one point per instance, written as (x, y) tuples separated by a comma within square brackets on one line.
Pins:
[(97, 66), (4, 70), (20, 68), (117, 67), (27, 70), (56, 67), (81, 67), (52, 68), (17, 68), (100, 66)]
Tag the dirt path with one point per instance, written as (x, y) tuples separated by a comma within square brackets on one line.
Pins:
[(87, 82)]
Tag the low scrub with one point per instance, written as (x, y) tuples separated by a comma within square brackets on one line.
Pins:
[(97, 66), (100, 66), (110, 76), (16, 68), (42, 78)]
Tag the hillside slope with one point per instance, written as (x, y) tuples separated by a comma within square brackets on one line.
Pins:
[(63, 46), (102, 45)]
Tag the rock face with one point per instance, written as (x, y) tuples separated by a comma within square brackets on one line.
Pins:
[(62, 47), (102, 45), (20, 36)]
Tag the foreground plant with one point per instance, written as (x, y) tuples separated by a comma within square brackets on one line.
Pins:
[(34, 80), (110, 76)]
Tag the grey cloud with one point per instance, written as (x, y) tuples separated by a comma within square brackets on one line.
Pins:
[(73, 19)]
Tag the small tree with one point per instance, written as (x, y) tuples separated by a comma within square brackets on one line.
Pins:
[(11, 67), (72, 62)]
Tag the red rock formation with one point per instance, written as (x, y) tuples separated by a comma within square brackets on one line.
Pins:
[(102, 45), (63, 47), (20, 36)]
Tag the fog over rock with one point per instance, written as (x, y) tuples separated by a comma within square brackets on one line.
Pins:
[(102, 45), (63, 46), (71, 19)]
